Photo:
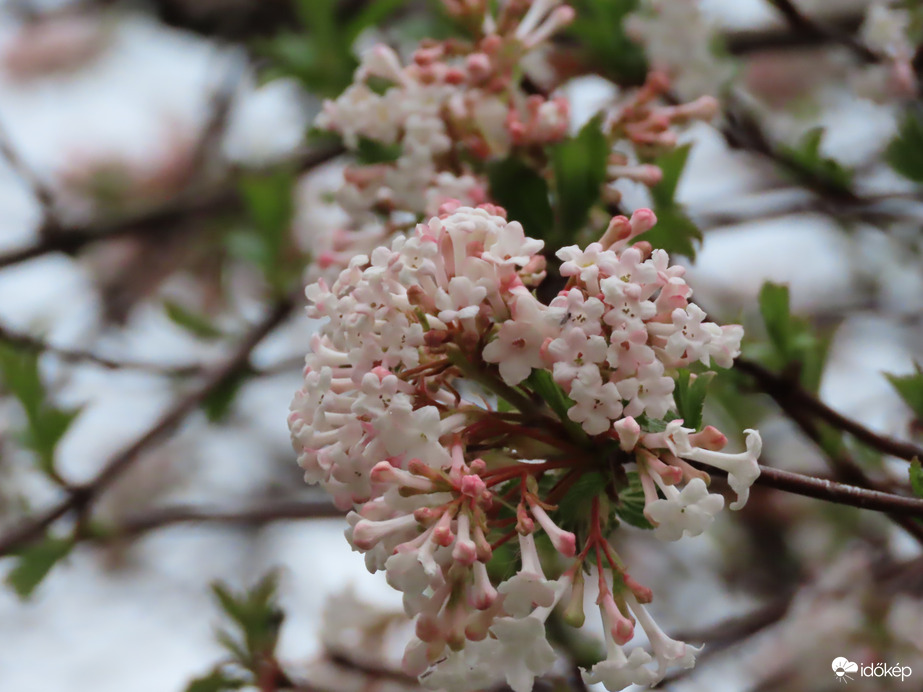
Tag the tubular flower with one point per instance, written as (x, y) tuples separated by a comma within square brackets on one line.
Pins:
[(440, 395)]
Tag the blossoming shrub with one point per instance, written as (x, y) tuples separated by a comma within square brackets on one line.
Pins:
[(467, 425)]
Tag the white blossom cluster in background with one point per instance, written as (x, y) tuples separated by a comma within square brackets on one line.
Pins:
[(430, 127), (421, 410)]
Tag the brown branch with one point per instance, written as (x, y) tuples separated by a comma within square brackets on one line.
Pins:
[(806, 26), (80, 498), (841, 493), (784, 389), (162, 517), (34, 344), (843, 465), (72, 239)]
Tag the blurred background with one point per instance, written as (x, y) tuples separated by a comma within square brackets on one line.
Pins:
[(161, 189)]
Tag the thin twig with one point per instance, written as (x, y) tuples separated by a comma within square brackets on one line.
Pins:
[(80, 498), (781, 388), (807, 26), (162, 517), (840, 493), (73, 239)]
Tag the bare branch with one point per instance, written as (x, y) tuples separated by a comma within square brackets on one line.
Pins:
[(785, 389), (81, 497), (269, 512)]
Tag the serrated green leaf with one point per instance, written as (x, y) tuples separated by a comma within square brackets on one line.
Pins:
[(690, 397), (574, 508), (193, 322), (35, 561), (916, 477), (523, 193), (579, 165), (905, 152), (630, 508), (910, 389)]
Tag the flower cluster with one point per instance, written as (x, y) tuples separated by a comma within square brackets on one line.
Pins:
[(431, 121), (455, 412), (425, 132)]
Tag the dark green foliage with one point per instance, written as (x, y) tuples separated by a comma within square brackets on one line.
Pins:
[(810, 167), (46, 423), (792, 343), (675, 232), (598, 30), (690, 397), (579, 165), (910, 388), (523, 193), (905, 152), (630, 508), (35, 561)]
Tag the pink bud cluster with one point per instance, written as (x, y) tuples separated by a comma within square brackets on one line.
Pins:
[(421, 412)]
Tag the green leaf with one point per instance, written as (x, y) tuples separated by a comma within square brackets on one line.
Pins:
[(370, 152), (193, 322), (523, 193), (46, 423), (579, 165), (675, 232), (671, 163), (270, 205), (256, 614), (35, 561), (791, 339), (916, 477), (269, 202), (574, 508), (19, 371), (910, 389), (808, 165), (905, 152), (774, 308), (215, 681), (630, 508), (599, 32), (544, 385), (217, 405), (690, 397), (372, 15)]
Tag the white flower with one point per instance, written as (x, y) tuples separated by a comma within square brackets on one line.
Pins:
[(690, 511), (596, 405), (650, 392), (521, 650), (742, 469), (617, 671)]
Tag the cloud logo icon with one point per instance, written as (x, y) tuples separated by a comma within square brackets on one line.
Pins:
[(841, 666)]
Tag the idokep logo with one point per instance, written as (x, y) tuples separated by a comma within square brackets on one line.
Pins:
[(842, 667)]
